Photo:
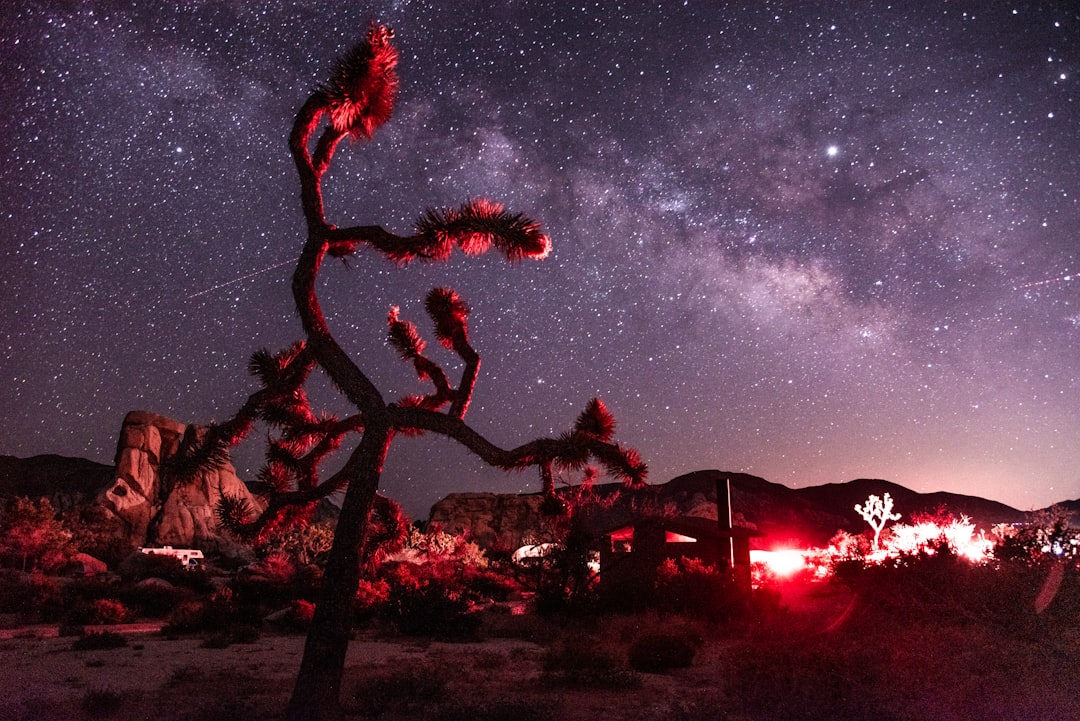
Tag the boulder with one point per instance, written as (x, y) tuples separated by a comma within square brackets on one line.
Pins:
[(156, 511), (493, 520)]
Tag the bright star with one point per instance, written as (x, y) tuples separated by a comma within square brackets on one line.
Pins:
[(831, 151)]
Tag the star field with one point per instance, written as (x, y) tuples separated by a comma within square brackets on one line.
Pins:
[(808, 241)]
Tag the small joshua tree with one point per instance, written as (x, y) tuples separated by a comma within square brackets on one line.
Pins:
[(358, 99), (877, 512)]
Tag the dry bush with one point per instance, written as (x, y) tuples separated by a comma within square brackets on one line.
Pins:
[(660, 651), (395, 691), (102, 702), (587, 661), (800, 679), (154, 599), (99, 641)]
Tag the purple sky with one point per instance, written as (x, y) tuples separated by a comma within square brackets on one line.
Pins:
[(812, 241)]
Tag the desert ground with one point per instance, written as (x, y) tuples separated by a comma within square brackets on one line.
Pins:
[(804, 662)]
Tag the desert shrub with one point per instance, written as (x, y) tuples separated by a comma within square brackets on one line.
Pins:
[(153, 597), (582, 661), (228, 636), (31, 595), (690, 586), (433, 610), (100, 702), (297, 616), (795, 680), (658, 651), (99, 641), (31, 536), (940, 588), (372, 596), (275, 582), (397, 691), (304, 543), (140, 566), (213, 614), (109, 610)]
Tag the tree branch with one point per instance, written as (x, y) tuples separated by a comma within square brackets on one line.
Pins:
[(621, 462)]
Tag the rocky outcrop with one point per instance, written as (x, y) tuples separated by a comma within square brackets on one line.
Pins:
[(155, 511), (493, 520)]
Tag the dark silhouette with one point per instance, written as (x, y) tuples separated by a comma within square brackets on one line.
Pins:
[(357, 100)]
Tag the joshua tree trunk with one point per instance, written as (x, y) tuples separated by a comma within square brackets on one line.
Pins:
[(316, 695)]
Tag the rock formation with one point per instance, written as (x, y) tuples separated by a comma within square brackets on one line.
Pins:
[(493, 520), (155, 511)]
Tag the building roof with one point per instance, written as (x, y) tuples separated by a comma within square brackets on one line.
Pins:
[(692, 526)]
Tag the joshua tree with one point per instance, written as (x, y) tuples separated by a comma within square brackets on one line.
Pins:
[(357, 100), (877, 512)]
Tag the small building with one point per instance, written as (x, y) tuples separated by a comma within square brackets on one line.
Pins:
[(631, 554), (638, 549)]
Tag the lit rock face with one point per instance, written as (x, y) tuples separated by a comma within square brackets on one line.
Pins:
[(493, 520), (153, 511)]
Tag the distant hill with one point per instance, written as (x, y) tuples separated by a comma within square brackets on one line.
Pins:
[(64, 481), (786, 517), (810, 516)]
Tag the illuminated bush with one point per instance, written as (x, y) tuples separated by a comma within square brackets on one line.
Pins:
[(300, 614), (109, 610), (1049, 535), (928, 533)]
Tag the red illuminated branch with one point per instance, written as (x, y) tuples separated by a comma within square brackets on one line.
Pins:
[(570, 450)]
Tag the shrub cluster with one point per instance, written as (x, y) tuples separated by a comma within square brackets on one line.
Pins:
[(660, 651), (393, 692)]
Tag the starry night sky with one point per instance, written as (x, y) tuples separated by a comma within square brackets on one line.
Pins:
[(811, 241)]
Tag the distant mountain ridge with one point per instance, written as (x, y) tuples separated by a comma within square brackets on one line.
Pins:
[(65, 481), (811, 515), (786, 516)]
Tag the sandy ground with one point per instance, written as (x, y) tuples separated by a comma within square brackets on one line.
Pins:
[(923, 673), (160, 679)]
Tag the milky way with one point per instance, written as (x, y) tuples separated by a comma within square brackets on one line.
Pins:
[(808, 241)]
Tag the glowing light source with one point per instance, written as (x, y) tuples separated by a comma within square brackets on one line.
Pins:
[(780, 563)]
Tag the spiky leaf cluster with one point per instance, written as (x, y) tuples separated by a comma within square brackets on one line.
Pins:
[(596, 421), (206, 450), (448, 310), (234, 515), (478, 225), (364, 84), (404, 336)]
